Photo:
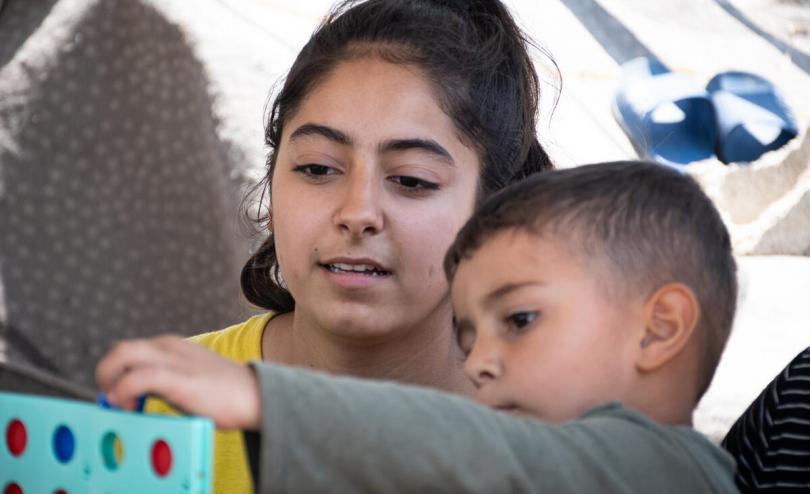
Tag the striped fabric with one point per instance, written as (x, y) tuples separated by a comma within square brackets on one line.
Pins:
[(771, 440)]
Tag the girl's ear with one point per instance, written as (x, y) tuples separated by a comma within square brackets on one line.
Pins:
[(671, 315)]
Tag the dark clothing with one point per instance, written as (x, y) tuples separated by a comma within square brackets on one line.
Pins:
[(771, 440)]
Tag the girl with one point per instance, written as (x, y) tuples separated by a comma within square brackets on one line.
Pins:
[(394, 120)]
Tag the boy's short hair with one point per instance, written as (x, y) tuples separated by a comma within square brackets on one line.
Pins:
[(646, 223)]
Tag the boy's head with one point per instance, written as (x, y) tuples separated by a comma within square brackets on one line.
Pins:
[(612, 281)]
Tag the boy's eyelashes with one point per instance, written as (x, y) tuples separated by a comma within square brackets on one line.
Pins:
[(522, 319), (515, 322)]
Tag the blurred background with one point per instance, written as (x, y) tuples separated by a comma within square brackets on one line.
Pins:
[(132, 130)]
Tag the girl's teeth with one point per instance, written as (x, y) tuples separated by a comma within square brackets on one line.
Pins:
[(355, 268)]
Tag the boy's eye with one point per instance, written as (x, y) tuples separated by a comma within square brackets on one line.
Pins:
[(314, 170), (466, 341), (465, 338), (520, 320), (413, 183)]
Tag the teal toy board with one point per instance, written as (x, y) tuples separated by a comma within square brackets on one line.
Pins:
[(57, 446)]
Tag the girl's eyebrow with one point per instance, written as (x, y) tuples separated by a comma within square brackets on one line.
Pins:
[(311, 129), (427, 145)]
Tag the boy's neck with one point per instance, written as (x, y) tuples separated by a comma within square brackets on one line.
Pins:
[(673, 415), (667, 396), (426, 356)]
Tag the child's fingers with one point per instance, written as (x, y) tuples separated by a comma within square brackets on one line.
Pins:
[(154, 380), (175, 345), (183, 373), (124, 356)]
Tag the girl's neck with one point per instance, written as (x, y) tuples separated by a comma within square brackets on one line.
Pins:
[(426, 357)]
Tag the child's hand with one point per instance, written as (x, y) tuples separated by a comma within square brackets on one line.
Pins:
[(185, 374)]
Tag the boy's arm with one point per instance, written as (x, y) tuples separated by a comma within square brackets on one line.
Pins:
[(321, 433)]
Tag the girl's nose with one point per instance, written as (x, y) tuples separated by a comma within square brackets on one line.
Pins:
[(360, 212), (483, 363)]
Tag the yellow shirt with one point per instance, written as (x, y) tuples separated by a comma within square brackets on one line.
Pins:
[(242, 343)]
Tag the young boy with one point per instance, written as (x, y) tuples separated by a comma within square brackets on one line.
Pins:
[(597, 299)]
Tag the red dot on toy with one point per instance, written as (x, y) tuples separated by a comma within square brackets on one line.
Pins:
[(61, 491), (13, 488), (16, 438), (161, 458)]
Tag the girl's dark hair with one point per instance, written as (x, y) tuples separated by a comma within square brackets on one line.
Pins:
[(476, 59)]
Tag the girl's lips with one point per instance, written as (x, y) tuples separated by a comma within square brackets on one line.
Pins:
[(355, 268), (364, 264), (354, 277)]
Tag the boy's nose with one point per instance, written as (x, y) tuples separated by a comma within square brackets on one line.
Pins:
[(359, 212), (483, 364)]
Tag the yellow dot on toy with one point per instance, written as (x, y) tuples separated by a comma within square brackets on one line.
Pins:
[(112, 450)]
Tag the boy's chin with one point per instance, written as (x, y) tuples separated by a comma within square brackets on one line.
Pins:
[(512, 410), (518, 411)]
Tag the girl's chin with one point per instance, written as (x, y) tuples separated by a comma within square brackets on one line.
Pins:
[(384, 316), (362, 322), (360, 329)]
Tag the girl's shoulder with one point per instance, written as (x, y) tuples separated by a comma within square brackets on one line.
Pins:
[(241, 342)]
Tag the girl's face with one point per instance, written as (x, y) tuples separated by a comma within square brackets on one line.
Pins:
[(371, 185)]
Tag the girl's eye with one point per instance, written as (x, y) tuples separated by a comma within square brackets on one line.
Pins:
[(520, 320), (313, 170), (413, 183)]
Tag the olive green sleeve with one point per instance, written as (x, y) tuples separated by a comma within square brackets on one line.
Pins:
[(327, 434)]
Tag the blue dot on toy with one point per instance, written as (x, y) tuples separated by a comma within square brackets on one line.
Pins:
[(64, 444), (102, 401)]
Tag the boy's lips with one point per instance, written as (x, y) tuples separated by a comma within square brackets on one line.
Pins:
[(510, 409), (495, 404)]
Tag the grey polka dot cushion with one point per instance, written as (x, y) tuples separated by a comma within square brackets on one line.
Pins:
[(118, 211)]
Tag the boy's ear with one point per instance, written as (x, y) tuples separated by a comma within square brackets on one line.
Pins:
[(671, 315)]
